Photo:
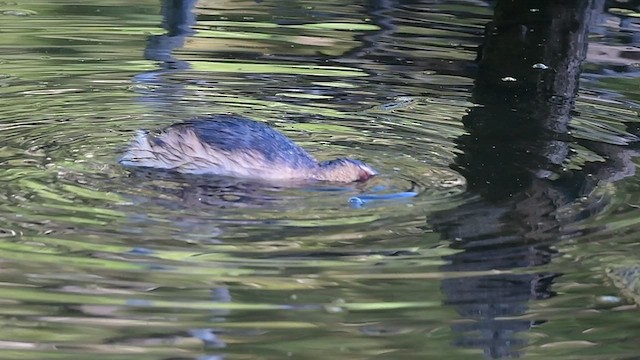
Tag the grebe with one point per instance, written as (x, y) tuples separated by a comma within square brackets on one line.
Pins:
[(239, 147)]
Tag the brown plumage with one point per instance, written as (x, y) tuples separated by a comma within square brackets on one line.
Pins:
[(238, 147)]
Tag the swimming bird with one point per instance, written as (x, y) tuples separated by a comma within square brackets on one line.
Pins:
[(238, 147)]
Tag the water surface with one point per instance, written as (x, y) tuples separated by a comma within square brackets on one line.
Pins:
[(483, 237)]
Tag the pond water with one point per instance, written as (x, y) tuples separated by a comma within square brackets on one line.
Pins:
[(492, 231)]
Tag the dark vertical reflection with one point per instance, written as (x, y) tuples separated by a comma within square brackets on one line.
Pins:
[(513, 155), (178, 20)]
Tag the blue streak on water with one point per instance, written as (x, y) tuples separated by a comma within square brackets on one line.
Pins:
[(362, 200)]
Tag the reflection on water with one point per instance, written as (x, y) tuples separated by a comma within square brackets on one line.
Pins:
[(506, 135)]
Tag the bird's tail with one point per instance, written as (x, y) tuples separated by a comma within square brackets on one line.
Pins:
[(139, 152)]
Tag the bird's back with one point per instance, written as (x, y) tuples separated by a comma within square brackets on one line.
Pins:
[(234, 135)]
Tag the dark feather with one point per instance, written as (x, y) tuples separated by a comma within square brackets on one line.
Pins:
[(238, 134)]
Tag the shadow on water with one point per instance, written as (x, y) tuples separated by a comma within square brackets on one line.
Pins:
[(513, 156)]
